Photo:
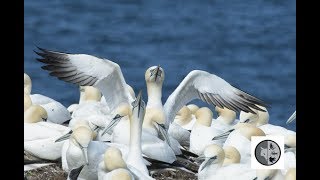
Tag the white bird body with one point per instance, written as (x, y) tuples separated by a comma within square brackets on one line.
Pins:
[(220, 125), (39, 139), (271, 129), (241, 143), (57, 113), (201, 136), (233, 171)]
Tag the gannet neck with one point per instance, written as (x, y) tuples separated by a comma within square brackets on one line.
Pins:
[(154, 95), (226, 116), (113, 159), (27, 102), (184, 116), (135, 152), (204, 116), (232, 155), (153, 115), (34, 114), (82, 136), (27, 84)]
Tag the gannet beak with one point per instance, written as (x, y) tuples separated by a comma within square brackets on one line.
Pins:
[(255, 178), (291, 118), (223, 135), (245, 121), (74, 173), (112, 124), (64, 137), (200, 158), (207, 162), (85, 154), (140, 102), (162, 132)]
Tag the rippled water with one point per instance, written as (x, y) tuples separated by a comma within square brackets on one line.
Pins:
[(250, 44)]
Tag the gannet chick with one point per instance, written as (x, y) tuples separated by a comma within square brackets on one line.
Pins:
[(27, 84), (193, 108), (213, 156), (270, 174), (27, 102), (291, 174), (241, 140), (39, 136), (225, 120), (292, 118), (202, 132)]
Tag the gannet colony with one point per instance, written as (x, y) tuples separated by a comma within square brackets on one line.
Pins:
[(112, 134)]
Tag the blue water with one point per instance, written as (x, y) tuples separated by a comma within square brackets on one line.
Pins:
[(250, 44)]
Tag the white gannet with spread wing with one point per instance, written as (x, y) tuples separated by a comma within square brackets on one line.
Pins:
[(87, 70)]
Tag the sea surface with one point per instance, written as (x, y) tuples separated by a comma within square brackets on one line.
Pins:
[(250, 44)]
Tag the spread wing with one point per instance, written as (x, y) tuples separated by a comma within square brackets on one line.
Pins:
[(212, 90), (87, 70)]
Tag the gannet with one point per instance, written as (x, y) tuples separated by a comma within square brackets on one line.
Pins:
[(152, 146), (183, 122), (87, 94), (292, 118), (230, 168), (39, 136), (113, 160), (261, 120), (213, 156), (57, 113), (202, 132), (87, 70), (240, 138), (225, 120), (82, 150)]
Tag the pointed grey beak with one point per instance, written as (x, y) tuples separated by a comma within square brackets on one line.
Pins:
[(139, 102), (255, 178), (207, 162), (246, 121), (85, 154), (157, 72), (292, 118), (64, 137), (163, 133), (112, 124), (223, 135)]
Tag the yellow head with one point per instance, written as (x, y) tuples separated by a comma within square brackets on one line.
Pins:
[(204, 116), (183, 116), (258, 119), (154, 75), (34, 114), (89, 93), (228, 115), (122, 174), (113, 159)]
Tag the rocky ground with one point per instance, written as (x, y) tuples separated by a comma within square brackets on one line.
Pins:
[(55, 172)]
